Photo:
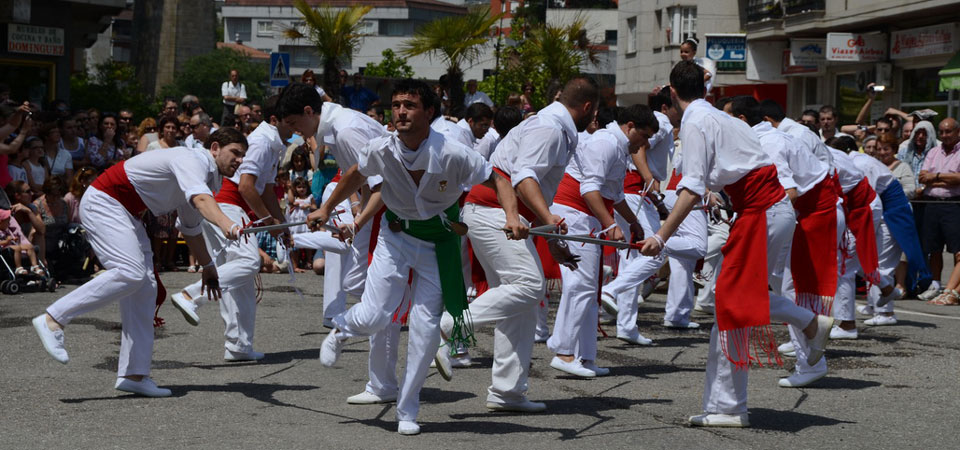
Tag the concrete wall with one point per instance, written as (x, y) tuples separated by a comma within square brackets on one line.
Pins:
[(166, 34)]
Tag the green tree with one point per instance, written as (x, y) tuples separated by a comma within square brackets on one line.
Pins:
[(391, 66), (457, 41), (547, 53), (204, 74), (110, 86), (335, 33)]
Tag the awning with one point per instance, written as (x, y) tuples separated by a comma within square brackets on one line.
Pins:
[(950, 74)]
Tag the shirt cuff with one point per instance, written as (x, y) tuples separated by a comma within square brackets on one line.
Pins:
[(589, 186), (522, 175), (190, 230), (697, 187)]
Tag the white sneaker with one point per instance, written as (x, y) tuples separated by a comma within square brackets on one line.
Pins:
[(647, 287), (931, 292), (145, 387), (328, 323), (461, 360), (600, 371), (367, 398), (525, 406), (819, 342), (700, 280), (881, 320), (800, 379), (330, 349), (720, 420), (606, 318), (52, 340), (896, 293), (866, 310), (408, 428), (635, 340), (241, 356), (574, 367), (680, 325), (838, 333), (788, 350), (186, 307), (608, 303), (442, 362), (541, 337)]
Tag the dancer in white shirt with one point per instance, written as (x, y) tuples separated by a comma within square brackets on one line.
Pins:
[(178, 179), (591, 189), (423, 175), (721, 152), (245, 196)]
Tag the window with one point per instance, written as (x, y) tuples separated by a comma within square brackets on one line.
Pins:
[(681, 24), (238, 30), (302, 56), (610, 36), (264, 28), (368, 28), (393, 27), (632, 35), (921, 90)]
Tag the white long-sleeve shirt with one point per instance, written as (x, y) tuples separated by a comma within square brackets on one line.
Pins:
[(718, 150), (877, 173), (264, 149), (452, 131), (796, 168), (346, 132), (661, 148), (807, 139), (168, 179), (449, 169), (850, 176), (488, 143), (539, 148), (601, 163)]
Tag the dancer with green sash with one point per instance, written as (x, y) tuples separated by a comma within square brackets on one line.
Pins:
[(424, 176)]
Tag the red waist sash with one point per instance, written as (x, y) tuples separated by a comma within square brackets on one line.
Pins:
[(674, 180), (813, 258), (115, 183), (633, 182), (336, 178), (742, 298), (568, 194), (230, 194), (860, 223), (485, 196)]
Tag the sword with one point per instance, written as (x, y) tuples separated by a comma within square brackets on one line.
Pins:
[(586, 240), (283, 226)]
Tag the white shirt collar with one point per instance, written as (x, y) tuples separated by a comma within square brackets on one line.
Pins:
[(328, 114), (617, 132), (426, 158), (762, 127)]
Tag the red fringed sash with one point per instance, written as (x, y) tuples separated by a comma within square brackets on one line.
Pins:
[(742, 299), (568, 194), (813, 257), (860, 223)]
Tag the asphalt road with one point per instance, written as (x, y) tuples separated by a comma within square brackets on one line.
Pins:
[(895, 387)]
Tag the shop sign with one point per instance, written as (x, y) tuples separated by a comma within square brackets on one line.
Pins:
[(727, 47), (855, 47), (807, 53), (34, 40), (924, 41)]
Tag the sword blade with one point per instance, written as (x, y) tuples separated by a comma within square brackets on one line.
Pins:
[(585, 239), (283, 226)]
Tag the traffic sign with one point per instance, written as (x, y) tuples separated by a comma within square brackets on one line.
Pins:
[(279, 69)]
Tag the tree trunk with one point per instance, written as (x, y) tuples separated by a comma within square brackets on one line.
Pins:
[(331, 78), (455, 84)]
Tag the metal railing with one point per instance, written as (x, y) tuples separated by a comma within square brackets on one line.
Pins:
[(791, 7), (763, 10)]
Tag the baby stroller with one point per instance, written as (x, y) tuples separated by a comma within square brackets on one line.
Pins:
[(12, 283), (72, 258)]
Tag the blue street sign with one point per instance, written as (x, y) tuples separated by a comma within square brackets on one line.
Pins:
[(727, 47), (279, 69)]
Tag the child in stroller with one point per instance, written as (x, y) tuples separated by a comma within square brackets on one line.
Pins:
[(14, 244)]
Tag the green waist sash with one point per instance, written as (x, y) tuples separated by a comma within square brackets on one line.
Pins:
[(447, 245)]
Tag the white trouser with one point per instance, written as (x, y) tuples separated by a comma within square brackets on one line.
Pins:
[(237, 266), (888, 253), (575, 328), (717, 234), (844, 304), (398, 253), (120, 242), (725, 389), (684, 248), (797, 338), (513, 271)]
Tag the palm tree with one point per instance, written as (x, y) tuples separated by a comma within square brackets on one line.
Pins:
[(561, 49), (336, 34), (457, 40)]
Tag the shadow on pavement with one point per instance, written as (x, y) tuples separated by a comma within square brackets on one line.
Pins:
[(270, 358), (788, 421)]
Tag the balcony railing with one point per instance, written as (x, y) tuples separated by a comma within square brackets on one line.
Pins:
[(791, 7), (763, 10)]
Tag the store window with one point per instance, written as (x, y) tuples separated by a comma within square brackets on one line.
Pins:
[(921, 90), (849, 98)]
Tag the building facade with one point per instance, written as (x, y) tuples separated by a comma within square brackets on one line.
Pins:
[(828, 51), (649, 38)]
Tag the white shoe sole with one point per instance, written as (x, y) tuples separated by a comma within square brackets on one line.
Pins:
[(181, 304)]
